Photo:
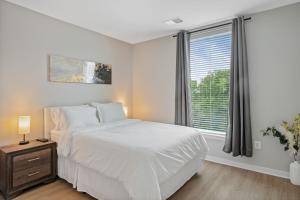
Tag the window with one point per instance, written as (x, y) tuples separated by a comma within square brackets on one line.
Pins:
[(210, 54)]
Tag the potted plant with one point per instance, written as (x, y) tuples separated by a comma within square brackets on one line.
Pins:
[(289, 137)]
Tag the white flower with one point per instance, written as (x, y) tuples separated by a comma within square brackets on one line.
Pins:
[(290, 137)]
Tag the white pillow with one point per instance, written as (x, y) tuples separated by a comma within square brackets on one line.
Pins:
[(110, 112), (70, 117), (57, 118)]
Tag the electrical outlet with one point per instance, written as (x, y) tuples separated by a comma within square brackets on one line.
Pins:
[(257, 144)]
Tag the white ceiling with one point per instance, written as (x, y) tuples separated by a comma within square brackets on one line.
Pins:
[(135, 21)]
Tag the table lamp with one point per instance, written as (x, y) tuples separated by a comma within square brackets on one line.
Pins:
[(24, 128)]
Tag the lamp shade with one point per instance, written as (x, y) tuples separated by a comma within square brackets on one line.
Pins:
[(24, 124)]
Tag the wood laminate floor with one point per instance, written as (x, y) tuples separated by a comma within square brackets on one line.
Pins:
[(214, 182)]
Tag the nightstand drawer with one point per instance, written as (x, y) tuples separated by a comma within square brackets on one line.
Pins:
[(29, 160), (31, 174)]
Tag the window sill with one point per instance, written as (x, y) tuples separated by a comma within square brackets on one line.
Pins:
[(212, 134)]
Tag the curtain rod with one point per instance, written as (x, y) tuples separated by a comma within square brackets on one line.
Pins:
[(211, 27)]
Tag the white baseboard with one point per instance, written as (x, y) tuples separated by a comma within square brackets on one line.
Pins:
[(264, 170)]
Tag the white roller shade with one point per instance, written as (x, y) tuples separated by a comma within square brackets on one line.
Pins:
[(210, 53)]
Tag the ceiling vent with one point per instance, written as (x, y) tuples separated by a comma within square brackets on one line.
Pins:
[(173, 21)]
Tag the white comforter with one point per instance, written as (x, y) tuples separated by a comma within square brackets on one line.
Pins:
[(139, 154)]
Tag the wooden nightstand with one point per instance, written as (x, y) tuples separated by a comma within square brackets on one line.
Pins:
[(23, 166)]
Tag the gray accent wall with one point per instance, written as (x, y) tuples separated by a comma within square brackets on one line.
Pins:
[(273, 39), (26, 40)]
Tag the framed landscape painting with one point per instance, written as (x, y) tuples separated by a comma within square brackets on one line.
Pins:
[(72, 70)]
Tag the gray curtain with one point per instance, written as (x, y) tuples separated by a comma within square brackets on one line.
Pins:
[(238, 137), (183, 89)]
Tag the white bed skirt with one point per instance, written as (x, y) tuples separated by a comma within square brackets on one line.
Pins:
[(106, 188)]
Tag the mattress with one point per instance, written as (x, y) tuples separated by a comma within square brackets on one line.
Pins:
[(106, 188), (87, 176)]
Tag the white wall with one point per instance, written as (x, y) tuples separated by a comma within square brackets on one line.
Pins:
[(274, 67), (154, 80), (26, 40)]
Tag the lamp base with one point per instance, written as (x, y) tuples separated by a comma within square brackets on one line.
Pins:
[(23, 142)]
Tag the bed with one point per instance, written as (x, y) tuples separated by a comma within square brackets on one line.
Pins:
[(127, 159)]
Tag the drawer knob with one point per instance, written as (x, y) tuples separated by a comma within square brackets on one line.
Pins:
[(34, 173), (33, 159)]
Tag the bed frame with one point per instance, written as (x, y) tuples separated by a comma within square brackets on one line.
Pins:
[(48, 124)]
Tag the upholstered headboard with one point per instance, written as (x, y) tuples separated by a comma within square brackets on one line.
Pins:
[(48, 124)]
